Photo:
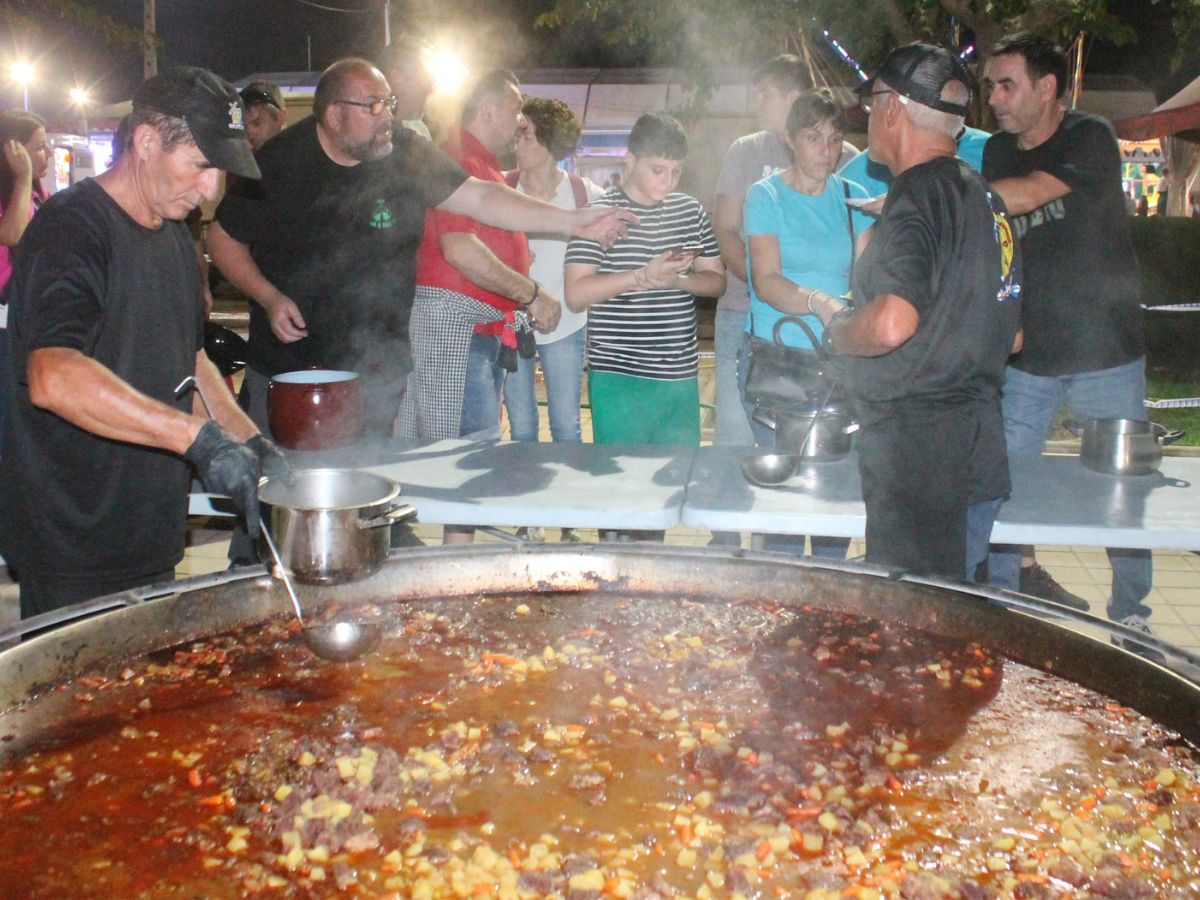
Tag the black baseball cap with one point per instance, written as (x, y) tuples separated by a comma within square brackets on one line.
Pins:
[(211, 108), (919, 71)]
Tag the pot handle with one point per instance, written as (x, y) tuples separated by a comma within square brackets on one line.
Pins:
[(763, 418), (391, 517), (1165, 437)]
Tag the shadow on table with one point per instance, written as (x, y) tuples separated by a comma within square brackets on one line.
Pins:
[(717, 482)]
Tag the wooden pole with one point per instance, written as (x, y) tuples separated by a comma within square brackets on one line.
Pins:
[(150, 48)]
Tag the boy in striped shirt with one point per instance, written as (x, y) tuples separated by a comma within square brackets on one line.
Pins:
[(641, 297)]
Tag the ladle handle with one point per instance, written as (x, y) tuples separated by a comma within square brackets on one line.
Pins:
[(283, 573)]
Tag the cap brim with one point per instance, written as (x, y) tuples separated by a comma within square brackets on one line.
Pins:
[(232, 155)]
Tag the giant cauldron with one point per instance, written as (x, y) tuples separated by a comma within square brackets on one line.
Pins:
[(783, 785)]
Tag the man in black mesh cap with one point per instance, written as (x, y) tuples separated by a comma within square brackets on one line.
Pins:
[(107, 331), (934, 317)]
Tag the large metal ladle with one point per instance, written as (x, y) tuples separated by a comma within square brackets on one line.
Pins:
[(338, 641)]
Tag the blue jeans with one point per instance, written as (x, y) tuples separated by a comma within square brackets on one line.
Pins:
[(981, 517), (731, 424), (1030, 403), (562, 367), (481, 394)]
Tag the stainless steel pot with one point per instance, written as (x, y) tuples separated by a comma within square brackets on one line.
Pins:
[(1124, 446), (831, 431), (330, 525)]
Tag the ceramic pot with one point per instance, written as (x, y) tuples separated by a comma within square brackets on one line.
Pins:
[(315, 409)]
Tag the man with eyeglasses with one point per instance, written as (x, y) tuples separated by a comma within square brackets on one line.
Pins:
[(325, 243), (934, 317)]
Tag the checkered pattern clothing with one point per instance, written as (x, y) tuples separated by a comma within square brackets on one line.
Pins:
[(440, 330)]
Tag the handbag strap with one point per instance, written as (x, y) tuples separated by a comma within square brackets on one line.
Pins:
[(804, 326), (850, 225)]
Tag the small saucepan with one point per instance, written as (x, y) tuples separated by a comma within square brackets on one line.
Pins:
[(1122, 446), (331, 525), (315, 409)]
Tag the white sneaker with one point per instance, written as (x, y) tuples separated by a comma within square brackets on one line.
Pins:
[(1139, 624)]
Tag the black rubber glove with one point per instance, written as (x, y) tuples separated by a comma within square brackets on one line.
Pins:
[(227, 466), (272, 459)]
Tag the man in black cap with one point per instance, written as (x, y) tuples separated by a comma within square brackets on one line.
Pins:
[(934, 317), (107, 331)]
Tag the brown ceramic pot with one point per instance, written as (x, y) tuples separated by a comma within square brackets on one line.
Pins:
[(315, 409)]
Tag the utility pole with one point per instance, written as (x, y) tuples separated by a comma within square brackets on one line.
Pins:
[(150, 49)]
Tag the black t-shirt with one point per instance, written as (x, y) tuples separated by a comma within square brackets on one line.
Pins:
[(1081, 285), (340, 241), (89, 278), (944, 245)]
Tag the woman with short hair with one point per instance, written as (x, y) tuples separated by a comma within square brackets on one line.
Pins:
[(801, 240)]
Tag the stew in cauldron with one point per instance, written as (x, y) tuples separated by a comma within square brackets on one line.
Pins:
[(594, 746)]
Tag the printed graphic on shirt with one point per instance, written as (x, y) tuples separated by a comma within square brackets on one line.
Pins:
[(1009, 288), (382, 216)]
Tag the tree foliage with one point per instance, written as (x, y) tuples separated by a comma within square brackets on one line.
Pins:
[(41, 19), (702, 34)]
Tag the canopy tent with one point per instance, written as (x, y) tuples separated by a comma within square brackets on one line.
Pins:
[(1178, 116)]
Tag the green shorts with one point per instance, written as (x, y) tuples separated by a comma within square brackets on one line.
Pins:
[(627, 409)]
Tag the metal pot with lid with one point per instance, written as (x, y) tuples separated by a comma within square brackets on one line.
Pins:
[(832, 425)]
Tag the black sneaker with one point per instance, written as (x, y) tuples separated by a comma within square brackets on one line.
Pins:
[(1037, 582)]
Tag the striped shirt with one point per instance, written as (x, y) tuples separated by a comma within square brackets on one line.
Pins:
[(650, 334)]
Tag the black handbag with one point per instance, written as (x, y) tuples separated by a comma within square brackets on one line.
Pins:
[(779, 376)]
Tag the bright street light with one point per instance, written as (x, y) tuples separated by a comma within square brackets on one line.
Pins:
[(447, 70), (81, 99), (22, 73)]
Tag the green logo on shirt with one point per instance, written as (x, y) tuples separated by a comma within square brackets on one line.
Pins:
[(382, 216)]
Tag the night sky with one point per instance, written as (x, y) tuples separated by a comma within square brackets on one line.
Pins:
[(236, 38)]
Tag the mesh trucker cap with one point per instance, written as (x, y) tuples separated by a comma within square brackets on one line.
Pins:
[(920, 71), (212, 110)]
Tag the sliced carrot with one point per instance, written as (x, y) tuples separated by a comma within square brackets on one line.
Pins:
[(761, 852), (193, 777), (502, 658), (612, 884), (212, 800), (803, 813), (514, 857), (1032, 878)]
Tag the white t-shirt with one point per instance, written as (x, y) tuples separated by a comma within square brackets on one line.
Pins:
[(548, 251)]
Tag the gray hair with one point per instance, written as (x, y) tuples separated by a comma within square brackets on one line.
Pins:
[(926, 118), (172, 131)]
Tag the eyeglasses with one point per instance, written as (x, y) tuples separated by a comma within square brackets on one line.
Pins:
[(374, 107), (868, 102)]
